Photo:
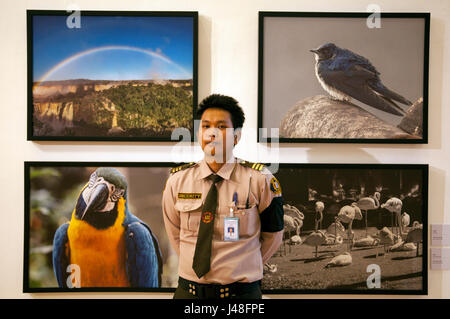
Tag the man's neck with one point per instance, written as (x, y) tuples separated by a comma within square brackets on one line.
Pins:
[(215, 166)]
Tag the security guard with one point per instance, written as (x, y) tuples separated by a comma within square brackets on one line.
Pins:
[(223, 216)]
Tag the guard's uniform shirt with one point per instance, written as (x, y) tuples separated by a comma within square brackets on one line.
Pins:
[(260, 213)]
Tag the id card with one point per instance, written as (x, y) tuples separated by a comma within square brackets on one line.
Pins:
[(231, 229)]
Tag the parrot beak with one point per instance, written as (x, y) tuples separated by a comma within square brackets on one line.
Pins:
[(96, 198)]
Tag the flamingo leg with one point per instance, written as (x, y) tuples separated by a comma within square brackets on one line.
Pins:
[(392, 223), (366, 224)]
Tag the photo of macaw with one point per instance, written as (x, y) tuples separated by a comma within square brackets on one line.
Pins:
[(104, 244)]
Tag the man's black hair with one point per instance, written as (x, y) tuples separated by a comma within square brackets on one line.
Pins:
[(227, 103)]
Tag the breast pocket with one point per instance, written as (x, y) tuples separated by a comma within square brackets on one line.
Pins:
[(190, 213), (249, 222)]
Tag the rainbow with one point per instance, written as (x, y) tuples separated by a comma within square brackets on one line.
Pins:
[(106, 48)]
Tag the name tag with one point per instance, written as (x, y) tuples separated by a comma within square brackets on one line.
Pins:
[(189, 195), (231, 229)]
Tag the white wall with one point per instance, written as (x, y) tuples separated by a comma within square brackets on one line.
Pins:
[(228, 51)]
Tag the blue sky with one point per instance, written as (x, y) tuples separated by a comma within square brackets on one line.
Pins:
[(171, 37)]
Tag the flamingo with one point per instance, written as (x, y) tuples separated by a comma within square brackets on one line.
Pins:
[(270, 267), (369, 203), (402, 246), (394, 205), (347, 214), (340, 260), (406, 219), (295, 240), (334, 240), (415, 235), (387, 238), (336, 229), (319, 207), (366, 242), (293, 222), (316, 239)]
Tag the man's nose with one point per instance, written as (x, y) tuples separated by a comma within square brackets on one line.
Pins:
[(213, 133)]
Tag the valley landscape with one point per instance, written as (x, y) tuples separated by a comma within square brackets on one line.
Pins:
[(131, 108)]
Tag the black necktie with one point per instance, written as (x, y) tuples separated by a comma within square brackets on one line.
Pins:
[(202, 255)]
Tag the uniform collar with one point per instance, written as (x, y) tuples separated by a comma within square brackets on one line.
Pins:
[(224, 172)]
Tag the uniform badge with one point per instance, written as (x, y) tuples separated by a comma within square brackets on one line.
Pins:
[(275, 186), (189, 195), (207, 217)]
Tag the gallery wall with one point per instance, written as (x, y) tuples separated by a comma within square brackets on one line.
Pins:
[(228, 64)]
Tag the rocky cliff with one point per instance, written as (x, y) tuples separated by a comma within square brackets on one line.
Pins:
[(61, 111), (322, 117)]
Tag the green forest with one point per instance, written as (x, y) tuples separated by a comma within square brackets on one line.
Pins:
[(141, 110)]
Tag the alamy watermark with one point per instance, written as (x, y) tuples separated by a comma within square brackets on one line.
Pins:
[(73, 21), (374, 20)]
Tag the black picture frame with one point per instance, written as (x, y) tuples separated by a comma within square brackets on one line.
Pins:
[(312, 273), (54, 126), (286, 78), (397, 177), (73, 170)]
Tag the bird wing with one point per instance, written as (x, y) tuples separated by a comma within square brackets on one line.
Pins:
[(388, 94), (144, 261), (357, 81), (60, 255)]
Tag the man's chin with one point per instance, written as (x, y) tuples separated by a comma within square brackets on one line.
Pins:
[(214, 157)]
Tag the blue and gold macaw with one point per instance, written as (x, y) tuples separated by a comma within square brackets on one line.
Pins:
[(108, 245)]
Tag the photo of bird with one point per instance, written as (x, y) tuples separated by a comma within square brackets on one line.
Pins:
[(109, 245), (345, 75)]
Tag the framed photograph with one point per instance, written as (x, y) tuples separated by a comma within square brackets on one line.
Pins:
[(355, 229), (111, 76), (56, 197), (343, 77), (336, 243)]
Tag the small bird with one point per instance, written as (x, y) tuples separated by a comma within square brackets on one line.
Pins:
[(345, 75), (110, 246), (344, 259)]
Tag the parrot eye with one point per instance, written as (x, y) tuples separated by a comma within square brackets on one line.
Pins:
[(92, 179), (117, 194)]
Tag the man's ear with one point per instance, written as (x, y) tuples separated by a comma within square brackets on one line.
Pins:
[(237, 135)]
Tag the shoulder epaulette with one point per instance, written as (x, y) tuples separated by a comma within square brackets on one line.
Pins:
[(181, 167), (256, 166)]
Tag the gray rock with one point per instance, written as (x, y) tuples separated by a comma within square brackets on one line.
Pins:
[(322, 117), (412, 122)]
